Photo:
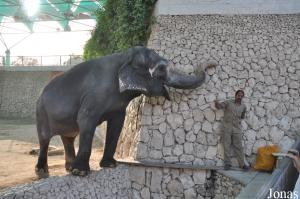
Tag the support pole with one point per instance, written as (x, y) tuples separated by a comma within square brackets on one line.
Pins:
[(7, 58)]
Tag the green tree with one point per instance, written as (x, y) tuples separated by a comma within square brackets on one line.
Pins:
[(120, 25)]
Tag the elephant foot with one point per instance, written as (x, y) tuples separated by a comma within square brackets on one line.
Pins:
[(77, 172), (42, 172), (108, 163), (79, 169), (68, 167)]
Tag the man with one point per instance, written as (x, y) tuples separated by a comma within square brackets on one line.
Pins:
[(234, 112), (294, 155)]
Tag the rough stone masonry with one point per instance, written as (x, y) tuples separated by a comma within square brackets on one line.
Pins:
[(257, 53)]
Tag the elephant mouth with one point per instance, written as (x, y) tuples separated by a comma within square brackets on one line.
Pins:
[(157, 87), (166, 93)]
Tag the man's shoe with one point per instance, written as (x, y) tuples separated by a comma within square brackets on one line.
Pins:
[(227, 166), (246, 168)]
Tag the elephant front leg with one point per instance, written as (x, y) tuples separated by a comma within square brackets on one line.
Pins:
[(80, 166), (114, 128)]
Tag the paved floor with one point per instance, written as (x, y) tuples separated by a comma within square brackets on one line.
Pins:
[(24, 130)]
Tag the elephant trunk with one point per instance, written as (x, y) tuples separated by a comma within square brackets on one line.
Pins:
[(179, 80)]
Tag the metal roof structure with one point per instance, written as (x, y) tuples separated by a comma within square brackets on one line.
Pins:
[(62, 11)]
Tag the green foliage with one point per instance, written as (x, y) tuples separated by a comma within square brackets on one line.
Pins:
[(122, 24)]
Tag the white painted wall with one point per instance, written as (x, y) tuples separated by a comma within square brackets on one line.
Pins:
[(226, 7)]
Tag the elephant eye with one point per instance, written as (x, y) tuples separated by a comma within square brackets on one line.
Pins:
[(161, 68), (139, 67)]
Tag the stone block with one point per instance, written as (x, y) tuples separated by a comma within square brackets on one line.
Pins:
[(188, 124), (209, 115), (157, 140), (186, 158), (200, 150), (176, 188), (257, 144), (207, 127), (178, 150), (186, 180), (179, 135), (190, 137), (156, 180), (145, 193), (211, 152), (285, 123), (190, 193), (199, 177), (158, 110), (212, 139), (163, 127), (198, 115), (137, 175), (175, 120), (276, 134), (155, 154), (171, 159), (285, 143), (169, 139), (188, 148)]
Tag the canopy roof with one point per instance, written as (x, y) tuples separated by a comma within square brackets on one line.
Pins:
[(61, 11)]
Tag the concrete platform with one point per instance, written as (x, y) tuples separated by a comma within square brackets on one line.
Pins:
[(252, 180)]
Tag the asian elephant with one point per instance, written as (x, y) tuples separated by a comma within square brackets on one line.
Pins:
[(98, 90)]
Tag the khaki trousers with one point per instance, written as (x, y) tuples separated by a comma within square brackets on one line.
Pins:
[(232, 138)]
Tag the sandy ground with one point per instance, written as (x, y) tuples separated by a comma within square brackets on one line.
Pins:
[(17, 139)]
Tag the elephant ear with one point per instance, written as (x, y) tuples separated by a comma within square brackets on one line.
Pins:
[(129, 80)]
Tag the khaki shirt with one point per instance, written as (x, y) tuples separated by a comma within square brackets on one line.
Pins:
[(233, 113)]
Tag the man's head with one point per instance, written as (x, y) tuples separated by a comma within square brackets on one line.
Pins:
[(239, 94)]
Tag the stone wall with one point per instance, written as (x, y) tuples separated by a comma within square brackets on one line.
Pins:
[(105, 184), (163, 183), (125, 181), (130, 135), (226, 187), (259, 54), (20, 89)]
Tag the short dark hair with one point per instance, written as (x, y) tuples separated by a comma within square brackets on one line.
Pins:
[(238, 91)]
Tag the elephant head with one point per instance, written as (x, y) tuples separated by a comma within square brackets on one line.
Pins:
[(147, 72)]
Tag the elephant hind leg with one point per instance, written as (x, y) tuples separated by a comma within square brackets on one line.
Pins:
[(44, 135), (69, 150), (41, 169)]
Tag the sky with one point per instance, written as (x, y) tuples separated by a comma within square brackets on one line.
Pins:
[(41, 42)]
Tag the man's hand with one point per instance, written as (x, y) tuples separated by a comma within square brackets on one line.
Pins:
[(243, 114), (296, 160), (217, 104)]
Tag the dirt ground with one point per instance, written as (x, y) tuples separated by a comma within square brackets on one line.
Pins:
[(17, 165), (17, 139)]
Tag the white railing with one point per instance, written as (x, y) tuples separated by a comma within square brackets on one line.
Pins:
[(51, 60)]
